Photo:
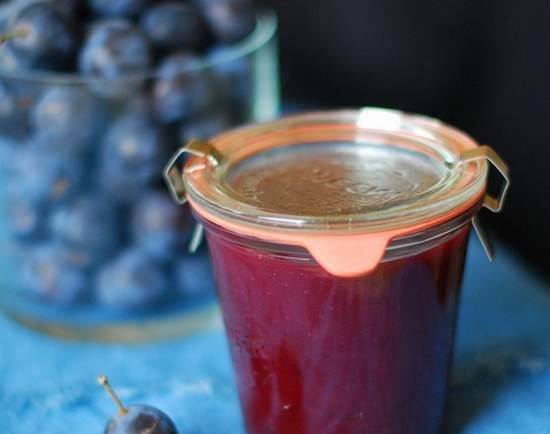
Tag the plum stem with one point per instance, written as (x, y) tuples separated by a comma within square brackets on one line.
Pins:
[(12, 34), (104, 381)]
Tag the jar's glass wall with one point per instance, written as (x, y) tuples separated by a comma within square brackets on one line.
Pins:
[(371, 352), (89, 238)]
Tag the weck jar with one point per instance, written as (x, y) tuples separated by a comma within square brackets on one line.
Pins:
[(337, 241)]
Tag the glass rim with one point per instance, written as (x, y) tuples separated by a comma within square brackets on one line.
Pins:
[(264, 32), (399, 247)]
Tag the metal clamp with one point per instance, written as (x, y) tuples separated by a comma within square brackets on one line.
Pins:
[(172, 173), (485, 152), (484, 239), (490, 202)]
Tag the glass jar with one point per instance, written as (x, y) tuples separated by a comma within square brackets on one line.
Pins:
[(90, 244), (338, 242)]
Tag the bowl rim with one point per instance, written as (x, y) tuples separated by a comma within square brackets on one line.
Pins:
[(264, 32)]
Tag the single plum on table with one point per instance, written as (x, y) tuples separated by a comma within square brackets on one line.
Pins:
[(136, 419)]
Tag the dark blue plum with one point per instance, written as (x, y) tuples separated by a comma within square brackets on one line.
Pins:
[(174, 26), (37, 180), (132, 280), (16, 100), (11, 62), (141, 419), (205, 126), (90, 226), (118, 8), (193, 275), (117, 56), (44, 176), (68, 116), (181, 90), (49, 43), (132, 156), (8, 149), (52, 273), (6, 8), (24, 216), (229, 20), (71, 9), (158, 225)]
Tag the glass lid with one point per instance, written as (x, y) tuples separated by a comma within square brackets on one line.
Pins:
[(369, 170), (333, 179)]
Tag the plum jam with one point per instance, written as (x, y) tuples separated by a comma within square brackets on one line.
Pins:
[(318, 354), (337, 242)]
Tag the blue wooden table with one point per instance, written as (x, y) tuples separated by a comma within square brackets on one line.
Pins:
[(500, 381)]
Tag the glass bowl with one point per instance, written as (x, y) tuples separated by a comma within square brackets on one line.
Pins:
[(91, 246)]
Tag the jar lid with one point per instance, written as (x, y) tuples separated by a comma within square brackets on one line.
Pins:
[(335, 181)]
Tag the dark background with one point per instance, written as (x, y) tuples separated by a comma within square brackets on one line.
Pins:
[(483, 66)]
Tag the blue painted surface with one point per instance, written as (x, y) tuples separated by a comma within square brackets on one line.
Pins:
[(500, 384)]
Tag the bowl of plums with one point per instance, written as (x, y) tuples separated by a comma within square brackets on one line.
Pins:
[(95, 95)]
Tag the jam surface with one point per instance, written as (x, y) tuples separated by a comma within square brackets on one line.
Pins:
[(319, 354)]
